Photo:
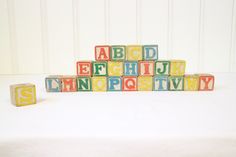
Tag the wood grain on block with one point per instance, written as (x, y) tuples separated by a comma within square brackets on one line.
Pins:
[(160, 83), (162, 67), (84, 68), (118, 52), (206, 82), (115, 68), (114, 83), (150, 52), (177, 67), (100, 68), (191, 82), (129, 83), (134, 52), (69, 83), (99, 84), (176, 83), (145, 83), (102, 52), (146, 68), (53, 83)]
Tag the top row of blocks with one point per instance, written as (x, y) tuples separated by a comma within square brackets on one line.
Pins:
[(122, 52)]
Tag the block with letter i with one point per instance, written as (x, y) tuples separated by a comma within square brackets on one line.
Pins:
[(129, 83), (100, 68), (146, 68), (177, 67), (68, 84), (102, 53), (99, 84), (114, 83), (160, 83), (176, 83), (206, 82), (84, 84), (84, 68), (162, 68), (118, 52), (134, 52), (145, 83), (191, 82), (53, 83), (150, 52), (23, 94)]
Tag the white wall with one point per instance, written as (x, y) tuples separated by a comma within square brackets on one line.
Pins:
[(48, 36)]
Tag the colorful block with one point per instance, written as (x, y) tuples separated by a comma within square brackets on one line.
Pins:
[(162, 68), (177, 67), (23, 94), (176, 83), (84, 84), (160, 83), (53, 83), (206, 82), (145, 83), (191, 82), (146, 68), (100, 69), (150, 52), (114, 83), (68, 84), (84, 68), (102, 53), (118, 53), (115, 68), (130, 68), (129, 83), (134, 52), (99, 84)]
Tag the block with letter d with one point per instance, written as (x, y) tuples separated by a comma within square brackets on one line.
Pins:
[(84, 84), (150, 52), (114, 83)]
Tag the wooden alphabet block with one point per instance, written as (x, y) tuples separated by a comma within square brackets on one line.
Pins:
[(129, 83), (160, 83), (118, 53), (99, 84), (206, 82), (162, 68), (177, 67), (146, 68), (23, 94), (84, 84), (176, 83), (115, 68), (114, 83), (150, 52), (102, 53), (130, 68), (69, 84), (53, 83), (100, 69), (84, 68), (145, 83), (191, 82), (134, 52)]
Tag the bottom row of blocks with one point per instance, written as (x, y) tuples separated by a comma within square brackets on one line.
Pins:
[(202, 82)]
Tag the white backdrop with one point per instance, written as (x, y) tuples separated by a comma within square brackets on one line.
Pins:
[(48, 36)]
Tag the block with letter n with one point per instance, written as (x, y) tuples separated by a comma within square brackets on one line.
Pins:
[(84, 84)]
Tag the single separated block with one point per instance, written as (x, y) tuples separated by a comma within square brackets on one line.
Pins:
[(130, 68), (118, 52), (162, 68), (160, 83), (129, 83), (145, 83), (68, 84), (102, 53), (176, 83), (84, 68), (99, 84), (206, 82), (134, 52), (23, 94), (146, 68), (114, 83), (191, 82), (115, 68), (150, 52), (53, 83), (100, 68), (177, 67), (84, 84)]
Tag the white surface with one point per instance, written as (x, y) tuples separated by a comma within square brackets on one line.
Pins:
[(120, 123)]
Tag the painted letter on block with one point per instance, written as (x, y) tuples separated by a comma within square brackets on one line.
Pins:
[(131, 68), (206, 82), (68, 84), (176, 83), (162, 68), (84, 68), (114, 83), (84, 84), (102, 53), (129, 83), (118, 53), (146, 68), (160, 83), (150, 52)]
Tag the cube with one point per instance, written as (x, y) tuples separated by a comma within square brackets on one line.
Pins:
[(23, 94), (176, 83), (114, 83), (100, 69), (162, 68), (206, 82), (146, 68), (99, 84), (191, 82), (150, 52), (129, 83), (84, 84), (115, 68), (130, 68), (102, 53), (134, 52), (160, 83), (53, 83), (177, 67), (145, 83), (68, 84), (118, 53), (84, 68)]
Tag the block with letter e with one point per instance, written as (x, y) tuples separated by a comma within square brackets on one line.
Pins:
[(84, 68)]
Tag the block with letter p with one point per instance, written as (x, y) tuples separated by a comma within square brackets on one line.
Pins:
[(206, 82), (68, 84), (114, 83), (102, 52), (177, 67), (84, 68), (150, 52)]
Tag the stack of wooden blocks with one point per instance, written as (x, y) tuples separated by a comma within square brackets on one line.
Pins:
[(130, 68)]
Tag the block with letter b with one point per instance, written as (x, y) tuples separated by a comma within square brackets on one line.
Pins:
[(118, 53), (114, 83), (176, 83), (129, 83), (68, 84), (102, 53), (177, 67), (191, 82), (150, 52), (53, 83), (84, 84), (84, 68), (206, 82)]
